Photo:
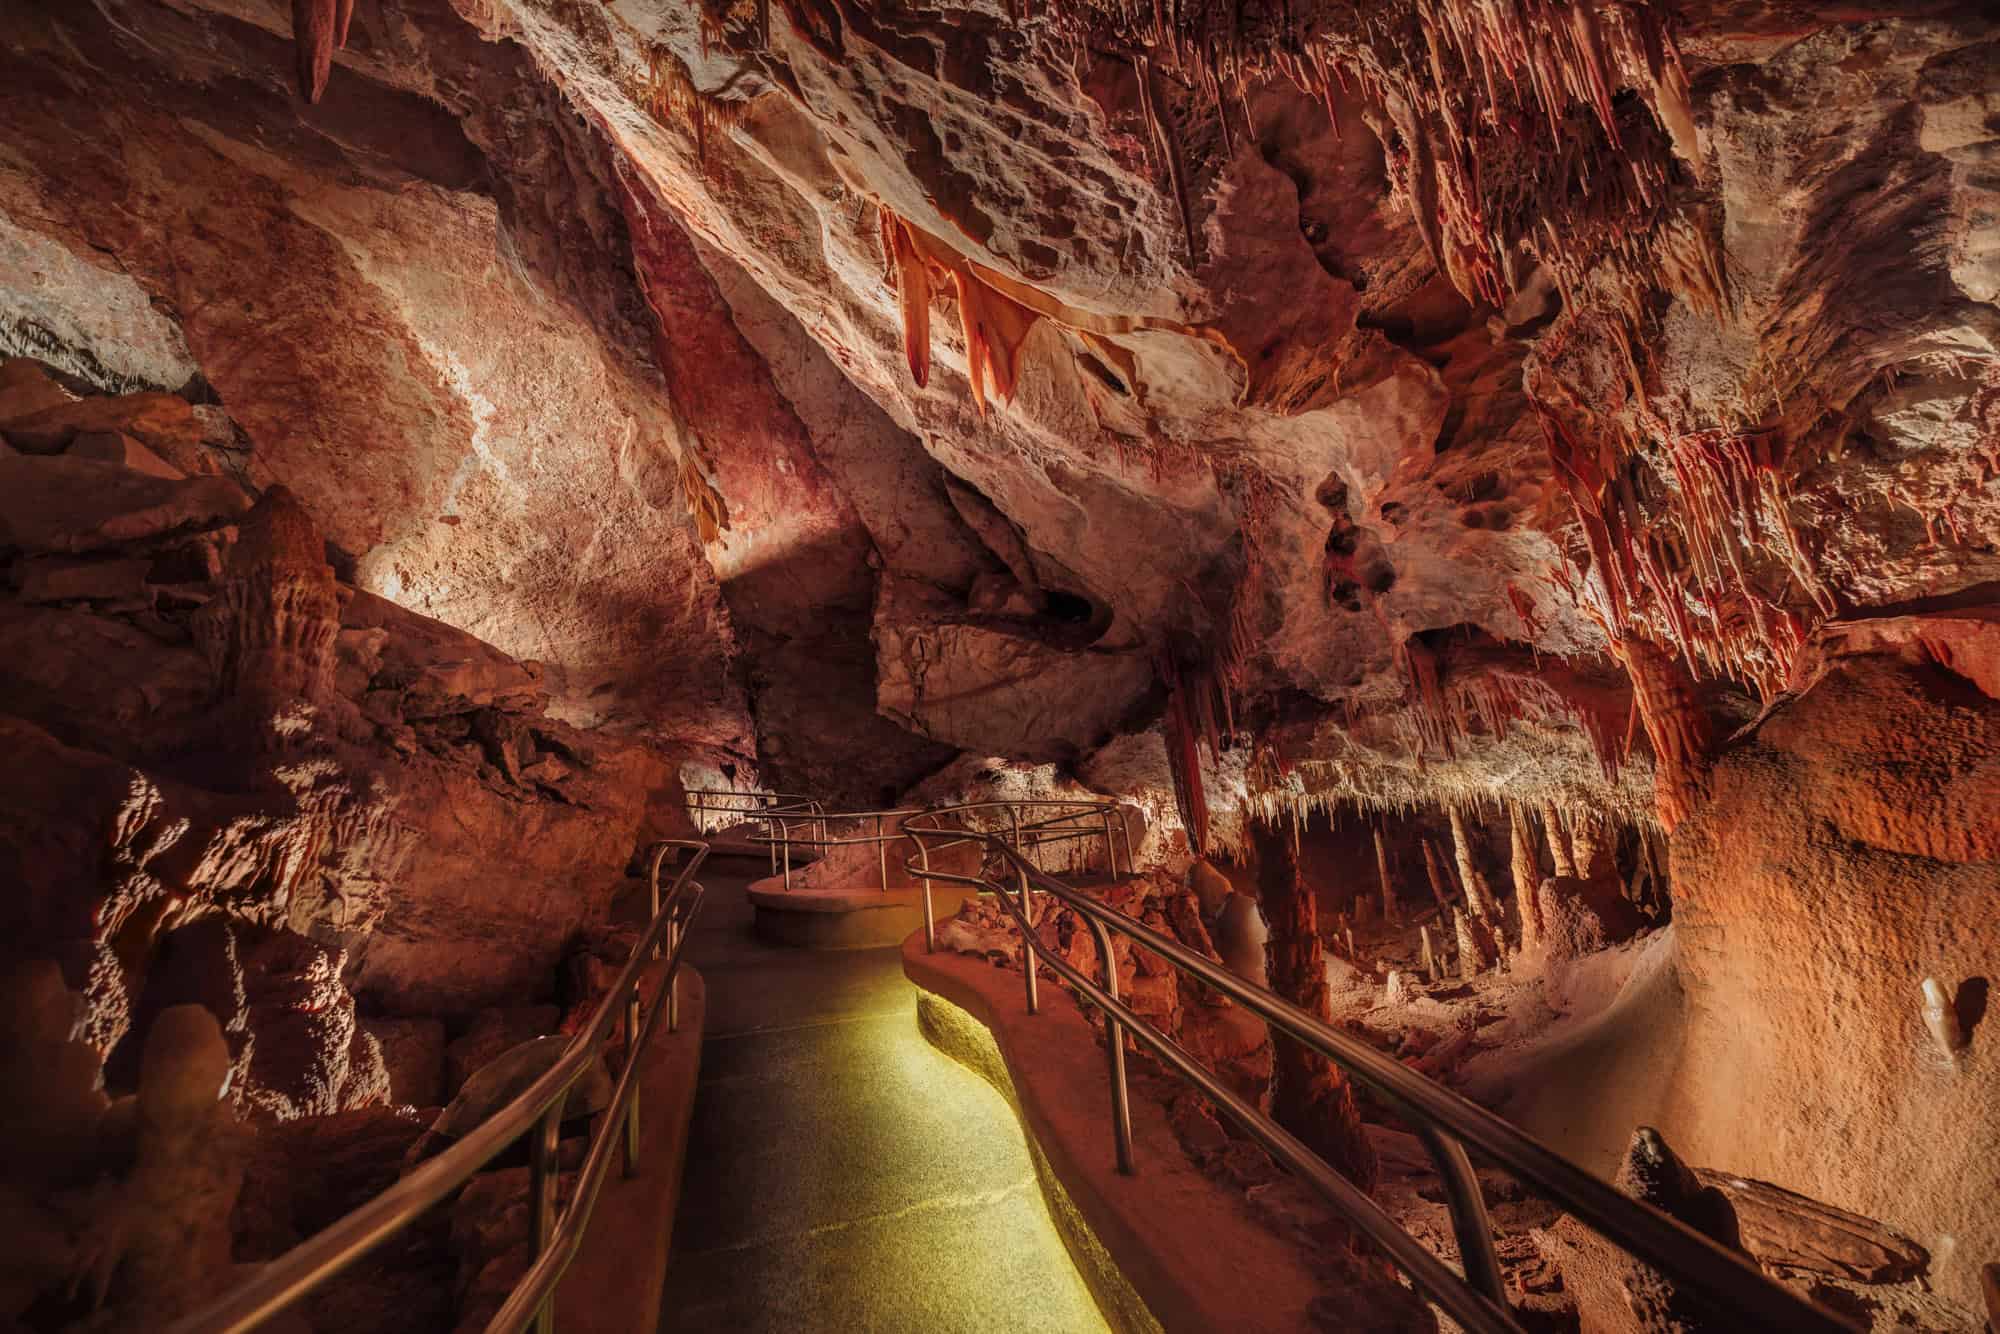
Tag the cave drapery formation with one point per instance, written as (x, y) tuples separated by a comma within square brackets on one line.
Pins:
[(1506, 491)]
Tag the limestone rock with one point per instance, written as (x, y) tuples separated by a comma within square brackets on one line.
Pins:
[(71, 505), (413, 1056), (995, 689), (146, 417), (1789, 1234), (26, 388), (121, 449), (507, 1075), (495, 1032), (1240, 934)]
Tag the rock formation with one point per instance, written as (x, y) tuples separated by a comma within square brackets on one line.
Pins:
[(436, 434)]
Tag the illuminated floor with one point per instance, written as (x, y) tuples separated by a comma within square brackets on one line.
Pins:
[(841, 1173)]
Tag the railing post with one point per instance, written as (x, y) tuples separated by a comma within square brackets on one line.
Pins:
[(632, 1107), (785, 838), (674, 930), (542, 1182), (1110, 848), (1027, 947), (1114, 1032), (881, 854), (659, 855), (1469, 1222), (930, 917)]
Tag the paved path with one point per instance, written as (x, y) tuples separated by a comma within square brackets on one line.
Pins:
[(842, 1175)]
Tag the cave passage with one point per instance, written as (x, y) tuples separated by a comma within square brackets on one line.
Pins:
[(842, 1173)]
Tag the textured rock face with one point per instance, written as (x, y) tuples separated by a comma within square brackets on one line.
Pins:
[(1236, 409), (1848, 855)]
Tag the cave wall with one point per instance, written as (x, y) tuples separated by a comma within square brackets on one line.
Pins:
[(1850, 852)]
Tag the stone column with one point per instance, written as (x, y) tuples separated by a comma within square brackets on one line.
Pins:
[(1309, 1095)]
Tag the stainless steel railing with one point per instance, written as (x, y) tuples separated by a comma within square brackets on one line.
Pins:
[(1061, 821), (1446, 1123), (707, 807), (556, 1232)]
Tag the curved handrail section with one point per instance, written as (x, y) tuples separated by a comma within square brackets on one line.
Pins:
[(538, 1108), (1447, 1123)]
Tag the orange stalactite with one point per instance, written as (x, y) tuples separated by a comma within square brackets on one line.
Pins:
[(318, 28), (996, 313)]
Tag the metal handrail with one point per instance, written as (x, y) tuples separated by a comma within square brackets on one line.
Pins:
[(1108, 818), (301, 1270), (1444, 1121)]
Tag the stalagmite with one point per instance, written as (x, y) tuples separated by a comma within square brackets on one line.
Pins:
[(1591, 838), (1527, 878), (1395, 990), (1472, 957), (1431, 968), (1941, 1017), (1558, 842), (1437, 877), (1309, 1094), (1382, 872), (1478, 894)]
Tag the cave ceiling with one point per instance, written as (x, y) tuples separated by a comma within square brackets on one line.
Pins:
[(1393, 396)]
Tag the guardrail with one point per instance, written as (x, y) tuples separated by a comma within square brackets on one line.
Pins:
[(556, 1233), (1061, 821), (708, 807), (1445, 1122)]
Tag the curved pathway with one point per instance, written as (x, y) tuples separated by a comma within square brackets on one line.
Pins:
[(841, 1173)]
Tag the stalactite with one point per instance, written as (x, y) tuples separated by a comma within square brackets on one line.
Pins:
[(1682, 572), (1183, 741), (1444, 711), (1559, 852), (1676, 724), (1309, 1094), (996, 314), (1432, 969), (705, 505), (319, 28), (672, 99)]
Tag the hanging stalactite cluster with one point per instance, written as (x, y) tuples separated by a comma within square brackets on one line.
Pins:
[(1503, 120)]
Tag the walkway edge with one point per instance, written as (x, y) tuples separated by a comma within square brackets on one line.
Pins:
[(1164, 1249), (845, 919), (614, 1285)]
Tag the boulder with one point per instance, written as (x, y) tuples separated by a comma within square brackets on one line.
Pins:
[(148, 417), (1580, 917), (75, 505), (121, 449), (413, 1055), (493, 1032), (58, 579), (26, 388), (510, 1074), (1787, 1233)]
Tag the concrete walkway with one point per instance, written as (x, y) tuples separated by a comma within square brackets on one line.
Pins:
[(841, 1173)]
